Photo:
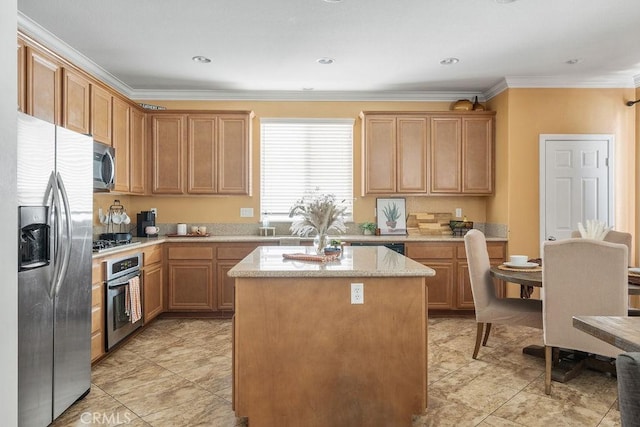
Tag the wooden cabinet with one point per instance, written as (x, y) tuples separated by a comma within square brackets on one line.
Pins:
[(394, 150), (101, 119), (43, 85), (167, 144), (227, 256), (152, 283), (21, 61), (190, 275), (450, 288), (137, 166), (97, 310), (210, 152), (75, 101), (121, 144), (461, 155)]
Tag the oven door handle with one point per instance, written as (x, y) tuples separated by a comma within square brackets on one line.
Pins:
[(116, 283)]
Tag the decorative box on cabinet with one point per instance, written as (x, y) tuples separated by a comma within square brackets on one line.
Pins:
[(97, 310), (152, 283)]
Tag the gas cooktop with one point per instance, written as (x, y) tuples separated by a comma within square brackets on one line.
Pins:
[(107, 245)]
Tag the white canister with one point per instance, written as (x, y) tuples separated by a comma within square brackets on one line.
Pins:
[(182, 229)]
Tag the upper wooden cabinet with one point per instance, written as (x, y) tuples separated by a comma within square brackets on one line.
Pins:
[(101, 119), (21, 61), (210, 152), (394, 150), (461, 155), (137, 165), (120, 138), (75, 101), (428, 153), (43, 85)]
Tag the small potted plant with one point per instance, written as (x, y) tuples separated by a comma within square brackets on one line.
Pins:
[(368, 228)]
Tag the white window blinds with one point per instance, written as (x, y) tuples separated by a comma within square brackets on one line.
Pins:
[(301, 155)]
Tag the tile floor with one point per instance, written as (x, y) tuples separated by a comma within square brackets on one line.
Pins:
[(177, 372)]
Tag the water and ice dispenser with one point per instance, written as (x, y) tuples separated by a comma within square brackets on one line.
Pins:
[(34, 237)]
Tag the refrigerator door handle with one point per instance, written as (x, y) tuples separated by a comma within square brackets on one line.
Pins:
[(52, 193), (68, 234)]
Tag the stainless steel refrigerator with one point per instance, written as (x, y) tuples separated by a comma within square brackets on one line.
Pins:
[(55, 204)]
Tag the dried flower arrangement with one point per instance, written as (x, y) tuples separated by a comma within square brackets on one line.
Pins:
[(319, 213)]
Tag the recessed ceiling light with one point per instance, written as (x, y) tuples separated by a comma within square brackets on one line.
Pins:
[(574, 61), (201, 59), (325, 61), (449, 61)]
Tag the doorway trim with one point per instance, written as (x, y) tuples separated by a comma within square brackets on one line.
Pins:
[(610, 138)]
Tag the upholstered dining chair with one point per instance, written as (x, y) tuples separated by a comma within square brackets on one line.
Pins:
[(489, 308), (581, 277), (628, 374), (614, 237)]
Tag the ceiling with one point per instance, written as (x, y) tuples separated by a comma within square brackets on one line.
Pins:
[(381, 49)]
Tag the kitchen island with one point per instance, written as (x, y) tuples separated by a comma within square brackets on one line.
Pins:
[(305, 355)]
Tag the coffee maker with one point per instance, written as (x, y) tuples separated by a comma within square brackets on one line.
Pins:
[(145, 219)]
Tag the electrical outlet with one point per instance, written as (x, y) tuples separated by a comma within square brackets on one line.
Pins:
[(458, 212), (155, 212), (357, 293), (246, 212)]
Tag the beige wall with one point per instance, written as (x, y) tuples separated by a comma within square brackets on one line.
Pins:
[(527, 113), (226, 209)]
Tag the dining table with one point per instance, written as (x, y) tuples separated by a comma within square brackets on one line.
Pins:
[(620, 331)]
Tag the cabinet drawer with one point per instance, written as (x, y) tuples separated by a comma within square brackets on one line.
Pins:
[(495, 250), (431, 251), (190, 252), (235, 252), (96, 294), (152, 256), (96, 319), (97, 272)]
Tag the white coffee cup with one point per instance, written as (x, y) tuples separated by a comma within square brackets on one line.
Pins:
[(151, 229), (202, 230), (182, 229), (518, 259), (194, 229)]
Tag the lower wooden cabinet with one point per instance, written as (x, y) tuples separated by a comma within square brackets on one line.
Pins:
[(190, 275), (152, 284), (228, 255), (97, 310), (450, 288)]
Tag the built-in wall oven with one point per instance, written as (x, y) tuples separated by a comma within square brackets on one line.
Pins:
[(120, 296)]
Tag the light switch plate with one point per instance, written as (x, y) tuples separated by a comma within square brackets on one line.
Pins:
[(246, 212)]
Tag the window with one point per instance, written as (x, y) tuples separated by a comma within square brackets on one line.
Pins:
[(302, 155)]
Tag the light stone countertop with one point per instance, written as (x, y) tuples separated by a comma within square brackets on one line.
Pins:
[(362, 261), (141, 242)]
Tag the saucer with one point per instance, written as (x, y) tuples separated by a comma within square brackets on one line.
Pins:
[(526, 265)]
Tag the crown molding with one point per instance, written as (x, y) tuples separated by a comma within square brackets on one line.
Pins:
[(346, 96), (32, 29), (579, 82)]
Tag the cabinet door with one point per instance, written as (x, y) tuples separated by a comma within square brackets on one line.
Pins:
[(138, 164), (477, 155), (412, 154), (234, 157), (97, 310), (225, 285), (121, 144), (190, 285), (441, 285), (167, 142), (152, 282), (21, 61), (445, 155), (379, 154), (75, 101), (43, 86), (202, 154), (101, 120)]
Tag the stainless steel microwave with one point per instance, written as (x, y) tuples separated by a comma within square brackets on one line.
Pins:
[(104, 167)]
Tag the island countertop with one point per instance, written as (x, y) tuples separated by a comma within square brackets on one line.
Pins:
[(365, 261)]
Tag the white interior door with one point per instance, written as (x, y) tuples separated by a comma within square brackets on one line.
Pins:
[(576, 183)]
